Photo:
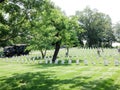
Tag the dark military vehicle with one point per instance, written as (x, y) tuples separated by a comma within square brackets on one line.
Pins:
[(15, 50)]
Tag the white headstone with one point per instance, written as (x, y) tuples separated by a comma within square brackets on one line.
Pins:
[(22, 61), (116, 62), (40, 62), (6, 60), (62, 62), (56, 61), (77, 61), (33, 59), (69, 61), (46, 61), (93, 62), (85, 62), (17, 60), (45, 58), (50, 61), (106, 62)]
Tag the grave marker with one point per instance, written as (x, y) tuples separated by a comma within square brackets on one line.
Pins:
[(85, 62), (62, 62), (77, 61), (116, 62), (6, 60), (22, 61), (56, 61), (106, 62), (50, 61), (93, 63), (46, 61), (69, 61), (40, 62)]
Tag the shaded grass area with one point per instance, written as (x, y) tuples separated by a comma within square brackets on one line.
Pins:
[(45, 81), (58, 77), (33, 76)]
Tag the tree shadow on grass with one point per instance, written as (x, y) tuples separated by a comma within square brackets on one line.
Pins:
[(29, 81), (45, 66), (48, 81), (105, 84)]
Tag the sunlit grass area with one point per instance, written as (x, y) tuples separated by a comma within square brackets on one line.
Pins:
[(16, 74)]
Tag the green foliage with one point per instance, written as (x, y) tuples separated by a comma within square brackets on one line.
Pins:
[(38, 23), (70, 33), (116, 30), (97, 25), (13, 18)]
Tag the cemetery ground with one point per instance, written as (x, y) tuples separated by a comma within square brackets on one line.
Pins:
[(86, 71)]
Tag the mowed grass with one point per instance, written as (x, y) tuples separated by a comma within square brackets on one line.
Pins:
[(34, 76)]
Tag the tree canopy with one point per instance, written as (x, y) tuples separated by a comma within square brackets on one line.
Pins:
[(42, 25), (38, 23), (98, 26), (116, 30)]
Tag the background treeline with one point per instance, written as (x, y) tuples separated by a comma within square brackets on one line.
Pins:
[(43, 26)]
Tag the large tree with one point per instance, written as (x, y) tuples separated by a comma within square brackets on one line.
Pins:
[(70, 35), (12, 22), (97, 25), (66, 29), (16, 20), (39, 23), (42, 32), (116, 30), (53, 29)]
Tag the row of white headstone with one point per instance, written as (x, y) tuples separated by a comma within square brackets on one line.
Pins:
[(86, 62), (106, 62)]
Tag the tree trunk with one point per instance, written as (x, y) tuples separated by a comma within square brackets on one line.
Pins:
[(57, 48), (67, 52), (43, 53), (89, 43)]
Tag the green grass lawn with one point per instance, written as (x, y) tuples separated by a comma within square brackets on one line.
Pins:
[(33, 76)]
